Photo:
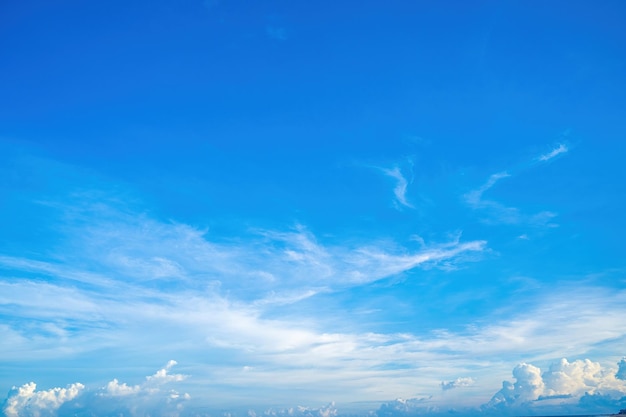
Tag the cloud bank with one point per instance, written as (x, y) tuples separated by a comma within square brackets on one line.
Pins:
[(120, 399), (563, 384), (581, 386)]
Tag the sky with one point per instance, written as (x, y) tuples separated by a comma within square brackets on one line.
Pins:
[(288, 208)]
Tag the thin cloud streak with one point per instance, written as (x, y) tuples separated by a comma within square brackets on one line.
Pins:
[(562, 148), (498, 213)]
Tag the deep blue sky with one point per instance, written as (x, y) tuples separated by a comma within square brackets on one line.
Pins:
[(307, 202)]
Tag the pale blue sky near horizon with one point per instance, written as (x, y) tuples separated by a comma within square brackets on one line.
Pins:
[(307, 202)]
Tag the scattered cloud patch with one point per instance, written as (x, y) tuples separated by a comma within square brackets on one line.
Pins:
[(457, 383)]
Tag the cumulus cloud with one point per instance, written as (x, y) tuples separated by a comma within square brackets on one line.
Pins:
[(564, 383), (115, 389), (27, 401), (162, 376), (457, 383), (114, 398)]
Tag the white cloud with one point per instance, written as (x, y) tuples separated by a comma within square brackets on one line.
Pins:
[(501, 214), (410, 406), (162, 376), (498, 213), (401, 186), (475, 197), (560, 149), (114, 397), (219, 309), (564, 382), (26, 401), (114, 389), (151, 385), (458, 383)]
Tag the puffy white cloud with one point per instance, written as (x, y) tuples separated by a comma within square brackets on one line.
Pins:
[(115, 389), (162, 376), (528, 386), (565, 383), (114, 398), (27, 401)]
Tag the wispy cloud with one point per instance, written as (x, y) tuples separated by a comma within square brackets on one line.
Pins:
[(401, 186), (498, 213), (475, 197), (560, 149), (302, 349)]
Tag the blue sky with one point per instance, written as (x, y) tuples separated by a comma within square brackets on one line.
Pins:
[(311, 209)]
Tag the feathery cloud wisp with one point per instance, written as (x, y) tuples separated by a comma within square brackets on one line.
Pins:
[(562, 148), (401, 186)]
